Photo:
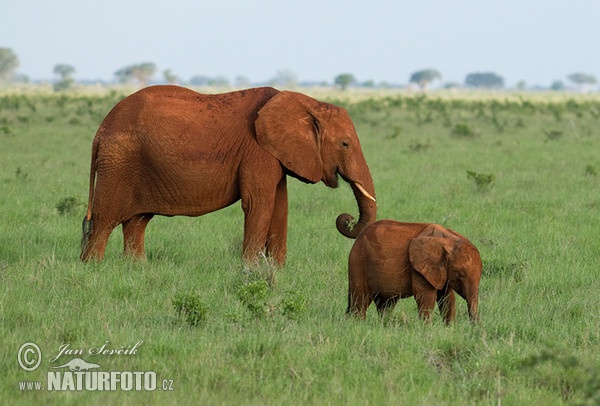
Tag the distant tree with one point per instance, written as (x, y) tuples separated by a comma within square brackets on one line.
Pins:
[(143, 72), (424, 77), (452, 85), (124, 75), (170, 77), (488, 80), (65, 72), (368, 83), (8, 63), (582, 80), (284, 78), (557, 85), (140, 72), (344, 80)]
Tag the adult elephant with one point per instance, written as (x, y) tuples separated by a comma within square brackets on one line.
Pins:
[(167, 150)]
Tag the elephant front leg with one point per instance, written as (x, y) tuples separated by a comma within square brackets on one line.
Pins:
[(426, 305), (277, 234), (447, 304), (425, 296), (258, 213)]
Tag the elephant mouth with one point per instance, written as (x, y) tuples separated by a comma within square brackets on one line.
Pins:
[(332, 179), (331, 182)]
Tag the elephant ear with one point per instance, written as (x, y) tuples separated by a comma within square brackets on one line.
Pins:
[(435, 230), (428, 256), (288, 129)]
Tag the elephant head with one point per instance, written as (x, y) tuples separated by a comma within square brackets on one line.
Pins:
[(317, 141), (441, 257)]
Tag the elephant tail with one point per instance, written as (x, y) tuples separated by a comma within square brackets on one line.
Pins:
[(87, 220), (88, 216)]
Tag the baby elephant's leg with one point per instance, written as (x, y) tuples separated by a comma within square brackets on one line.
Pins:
[(447, 304), (426, 296), (359, 300)]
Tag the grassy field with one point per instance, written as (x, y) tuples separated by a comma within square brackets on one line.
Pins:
[(518, 174)]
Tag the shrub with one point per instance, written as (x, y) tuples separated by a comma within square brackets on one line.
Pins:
[(292, 305), (590, 170), (463, 130), (482, 181), (189, 308), (576, 379), (5, 129), (21, 174), (68, 205), (553, 134), (254, 296)]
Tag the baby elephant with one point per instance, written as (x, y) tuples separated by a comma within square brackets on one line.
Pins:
[(391, 260)]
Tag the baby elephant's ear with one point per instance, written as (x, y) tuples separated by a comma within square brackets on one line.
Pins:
[(428, 256)]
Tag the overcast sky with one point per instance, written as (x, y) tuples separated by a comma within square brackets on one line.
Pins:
[(380, 40)]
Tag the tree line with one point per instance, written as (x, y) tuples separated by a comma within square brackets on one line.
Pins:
[(142, 73)]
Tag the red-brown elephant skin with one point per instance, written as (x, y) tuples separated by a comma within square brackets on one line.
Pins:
[(391, 260), (167, 150)]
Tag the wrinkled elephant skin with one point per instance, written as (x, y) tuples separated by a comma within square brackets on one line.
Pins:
[(391, 260), (167, 150)]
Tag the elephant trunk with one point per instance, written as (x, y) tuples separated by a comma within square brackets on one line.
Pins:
[(367, 207)]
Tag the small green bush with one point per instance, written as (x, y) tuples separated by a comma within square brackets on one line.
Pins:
[(576, 379), (463, 130), (590, 170), (292, 305), (254, 296), (5, 129), (482, 181), (553, 135), (68, 205), (21, 174), (418, 146), (189, 308)]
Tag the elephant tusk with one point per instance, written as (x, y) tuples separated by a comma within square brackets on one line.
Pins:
[(364, 192)]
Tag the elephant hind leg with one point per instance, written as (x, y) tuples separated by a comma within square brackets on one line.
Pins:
[(358, 302), (133, 235), (95, 237)]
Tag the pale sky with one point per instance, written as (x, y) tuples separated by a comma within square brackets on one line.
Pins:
[(380, 40)]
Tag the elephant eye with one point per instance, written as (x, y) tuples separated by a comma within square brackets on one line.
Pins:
[(345, 145)]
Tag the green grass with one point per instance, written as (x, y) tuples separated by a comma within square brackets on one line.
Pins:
[(224, 336)]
